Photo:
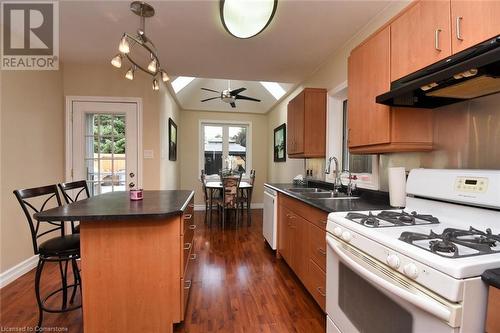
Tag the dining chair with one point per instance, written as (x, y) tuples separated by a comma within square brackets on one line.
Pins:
[(206, 196), (246, 197), (230, 196), (62, 248), (76, 188)]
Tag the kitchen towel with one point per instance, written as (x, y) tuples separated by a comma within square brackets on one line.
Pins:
[(397, 187)]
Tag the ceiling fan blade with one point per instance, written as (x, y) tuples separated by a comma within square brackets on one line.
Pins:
[(233, 104), (246, 98), (237, 91), (208, 99), (215, 91)]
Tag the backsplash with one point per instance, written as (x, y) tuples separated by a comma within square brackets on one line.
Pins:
[(466, 136)]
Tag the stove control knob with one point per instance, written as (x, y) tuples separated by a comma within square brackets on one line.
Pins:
[(411, 270), (346, 236), (393, 261), (337, 231)]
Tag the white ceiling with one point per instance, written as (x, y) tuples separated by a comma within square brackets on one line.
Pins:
[(192, 41), (190, 97)]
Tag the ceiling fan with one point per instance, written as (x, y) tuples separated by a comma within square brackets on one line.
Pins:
[(230, 96)]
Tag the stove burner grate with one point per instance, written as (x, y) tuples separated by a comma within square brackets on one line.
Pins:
[(392, 219), (446, 243)]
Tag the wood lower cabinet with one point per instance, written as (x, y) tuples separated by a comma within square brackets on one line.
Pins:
[(420, 37), (188, 258), (302, 244), (473, 21), (306, 122), (376, 128)]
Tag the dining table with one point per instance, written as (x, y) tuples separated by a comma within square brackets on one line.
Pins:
[(213, 186)]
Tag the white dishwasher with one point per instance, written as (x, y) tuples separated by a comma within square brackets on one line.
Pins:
[(270, 223)]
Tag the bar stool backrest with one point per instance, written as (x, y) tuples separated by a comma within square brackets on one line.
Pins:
[(47, 194), (80, 187)]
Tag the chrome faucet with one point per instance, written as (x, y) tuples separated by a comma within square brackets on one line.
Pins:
[(337, 184)]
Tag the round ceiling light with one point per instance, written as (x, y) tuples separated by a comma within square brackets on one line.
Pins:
[(247, 18)]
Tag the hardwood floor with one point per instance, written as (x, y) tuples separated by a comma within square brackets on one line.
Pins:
[(238, 286)]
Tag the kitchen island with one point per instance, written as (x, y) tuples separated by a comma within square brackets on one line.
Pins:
[(136, 257)]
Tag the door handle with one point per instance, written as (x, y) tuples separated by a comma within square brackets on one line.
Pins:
[(459, 27)]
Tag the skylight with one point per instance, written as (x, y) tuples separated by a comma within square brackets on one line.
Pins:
[(274, 88), (181, 82)]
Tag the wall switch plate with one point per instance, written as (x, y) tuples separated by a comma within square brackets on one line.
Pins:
[(148, 154)]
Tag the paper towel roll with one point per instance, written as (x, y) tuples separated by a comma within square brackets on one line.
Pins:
[(397, 187)]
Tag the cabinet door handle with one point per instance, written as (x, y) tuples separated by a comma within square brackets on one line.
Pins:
[(321, 292), (187, 217), (192, 226), (320, 250), (459, 27), (188, 284), (436, 39), (187, 246), (193, 256)]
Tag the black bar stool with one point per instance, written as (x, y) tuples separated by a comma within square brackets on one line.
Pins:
[(61, 249), (79, 187)]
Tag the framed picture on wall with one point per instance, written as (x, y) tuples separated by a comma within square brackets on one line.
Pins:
[(280, 143), (172, 140)]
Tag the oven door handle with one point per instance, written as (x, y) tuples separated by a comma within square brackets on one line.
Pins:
[(436, 305)]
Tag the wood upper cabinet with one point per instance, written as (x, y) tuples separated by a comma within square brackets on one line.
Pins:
[(473, 21), (306, 118), (369, 76), (376, 128), (420, 37)]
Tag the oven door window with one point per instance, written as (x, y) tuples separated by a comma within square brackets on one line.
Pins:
[(368, 309)]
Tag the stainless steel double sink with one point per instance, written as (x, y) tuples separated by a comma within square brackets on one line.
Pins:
[(319, 193)]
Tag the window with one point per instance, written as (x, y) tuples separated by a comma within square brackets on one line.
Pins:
[(365, 167), (225, 146), (105, 158)]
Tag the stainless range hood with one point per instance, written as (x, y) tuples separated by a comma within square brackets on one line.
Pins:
[(472, 73)]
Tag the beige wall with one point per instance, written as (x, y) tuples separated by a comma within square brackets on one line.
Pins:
[(32, 150), (158, 106), (32, 137), (189, 148)]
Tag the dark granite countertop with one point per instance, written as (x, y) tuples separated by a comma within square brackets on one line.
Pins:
[(369, 200), (492, 277), (118, 206)]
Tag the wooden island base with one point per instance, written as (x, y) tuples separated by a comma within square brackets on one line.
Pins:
[(130, 273)]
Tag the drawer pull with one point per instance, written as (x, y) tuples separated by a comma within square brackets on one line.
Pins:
[(321, 292), (193, 256), (323, 252), (188, 217), (191, 205), (187, 246), (192, 226), (188, 284)]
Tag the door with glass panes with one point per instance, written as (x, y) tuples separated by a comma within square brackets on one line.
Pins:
[(105, 145)]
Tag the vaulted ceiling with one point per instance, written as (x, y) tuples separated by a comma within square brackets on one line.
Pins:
[(192, 41)]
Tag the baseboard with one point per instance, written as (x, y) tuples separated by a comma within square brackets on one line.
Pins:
[(17, 271), (253, 206)]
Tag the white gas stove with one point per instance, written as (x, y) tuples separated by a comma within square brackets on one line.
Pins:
[(427, 258)]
